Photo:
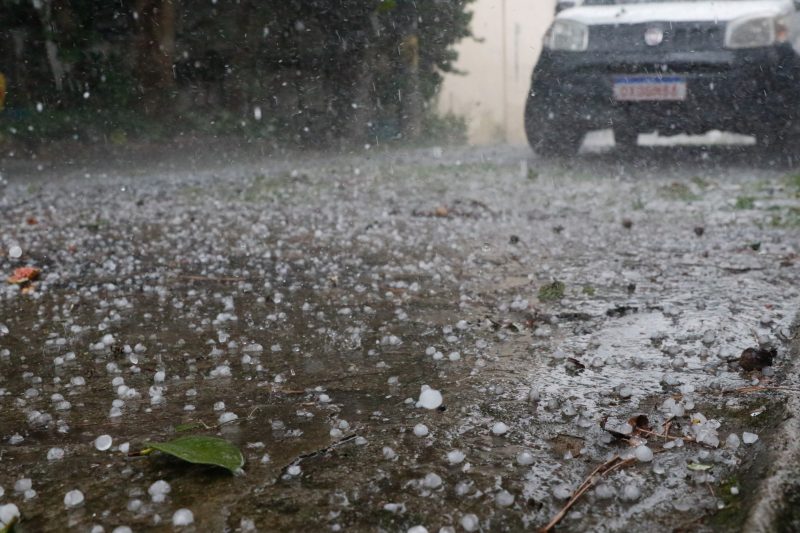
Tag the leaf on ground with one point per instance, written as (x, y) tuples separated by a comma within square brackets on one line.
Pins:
[(699, 467), (202, 450), (24, 275)]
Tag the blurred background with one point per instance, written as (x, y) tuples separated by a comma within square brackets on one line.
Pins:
[(289, 73), (496, 65)]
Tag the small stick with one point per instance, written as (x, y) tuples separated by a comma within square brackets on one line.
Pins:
[(759, 388), (209, 278), (609, 466), (666, 435)]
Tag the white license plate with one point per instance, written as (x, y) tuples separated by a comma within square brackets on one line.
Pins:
[(649, 88)]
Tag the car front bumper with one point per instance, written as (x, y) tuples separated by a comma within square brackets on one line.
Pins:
[(744, 91)]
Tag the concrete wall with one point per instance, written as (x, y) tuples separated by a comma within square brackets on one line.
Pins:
[(492, 93)]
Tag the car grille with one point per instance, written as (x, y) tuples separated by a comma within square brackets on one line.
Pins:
[(678, 37)]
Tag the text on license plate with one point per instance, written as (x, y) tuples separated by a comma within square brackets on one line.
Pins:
[(644, 88)]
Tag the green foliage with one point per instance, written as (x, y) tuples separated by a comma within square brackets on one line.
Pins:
[(745, 202), (793, 182), (552, 292), (202, 450), (320, 70)]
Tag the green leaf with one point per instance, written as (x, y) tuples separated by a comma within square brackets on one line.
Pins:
[(698, 467), (202, 450), (11, 527)]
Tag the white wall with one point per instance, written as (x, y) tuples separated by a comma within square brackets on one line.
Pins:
[(492, 93)]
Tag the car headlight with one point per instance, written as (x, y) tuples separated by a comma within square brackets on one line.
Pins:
[(755, 31), (567, 35)]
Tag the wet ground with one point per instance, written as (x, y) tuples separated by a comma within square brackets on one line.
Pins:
[(296, 305)]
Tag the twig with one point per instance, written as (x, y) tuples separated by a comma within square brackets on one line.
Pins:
[(615, 463), (666, 435), (759, 388), (209, 278), (320, 451)]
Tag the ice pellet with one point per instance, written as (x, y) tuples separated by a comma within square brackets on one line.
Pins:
[(604, 491), (158, 491), (388, 453), (470, 522), (8, 513), (733, 441), (455, 456), (421, 430), (73, 498), (103, 442), (562, 492), (631, 493), (504, 498), (499, 428), (430, 399), (182, 517), (15, 252), (525, 458), (55, 454), (224, 418), (432, 481), (749, 438), (643, 454)]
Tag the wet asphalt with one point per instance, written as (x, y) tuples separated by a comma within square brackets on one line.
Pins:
[(297, 305)]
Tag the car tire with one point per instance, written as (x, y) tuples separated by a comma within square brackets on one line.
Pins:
[(775, 144), (548, 133), (626, 138)]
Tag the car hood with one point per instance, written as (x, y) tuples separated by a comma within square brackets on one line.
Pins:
[(674, 11)]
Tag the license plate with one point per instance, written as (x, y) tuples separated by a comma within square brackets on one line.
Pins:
[(649, 88)]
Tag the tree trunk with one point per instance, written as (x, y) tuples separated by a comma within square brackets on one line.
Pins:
[(45, 11), (155, 52), (411, 98)]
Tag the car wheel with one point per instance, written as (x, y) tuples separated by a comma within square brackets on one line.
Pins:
[(550, 134), (626, 138), (774, 144)]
